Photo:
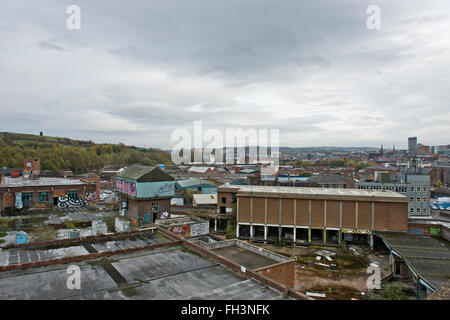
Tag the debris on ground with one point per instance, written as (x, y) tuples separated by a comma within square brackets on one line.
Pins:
[(322, 264), (316, 294)]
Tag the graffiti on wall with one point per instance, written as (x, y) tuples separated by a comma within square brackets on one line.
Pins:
[(168, 187), (65, 202), (415, 231), (435, 231), (147, 218), (128, 188), (19, 203), (181, 230), (199, 229), (90, 197)]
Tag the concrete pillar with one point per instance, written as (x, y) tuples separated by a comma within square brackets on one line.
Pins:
[(371, 241), (325, 237), (295, 234), (265, 233), (237, 230), (279, 221), (418, 289), (390, 262), (215, 224), (251, 232)]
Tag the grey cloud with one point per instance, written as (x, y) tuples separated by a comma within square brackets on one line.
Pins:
[(142, 65), (50, 45)]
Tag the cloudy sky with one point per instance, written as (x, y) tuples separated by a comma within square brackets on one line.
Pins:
[(139, 69)]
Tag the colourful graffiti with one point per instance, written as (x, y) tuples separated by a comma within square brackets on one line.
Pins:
[(90, 197), (147, 218), (128, 188), (180, 230), (435, 231), (415, 231), (19, 203)]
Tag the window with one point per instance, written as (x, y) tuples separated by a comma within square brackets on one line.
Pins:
[(224, 200), (424, 210), (28, 199), (425, 199), (411, 210), (418, 199), (155, 206), (418, 189), (418, 210), (73, 194), (411, 189), (43, 197), (412, 199), (424, 189)]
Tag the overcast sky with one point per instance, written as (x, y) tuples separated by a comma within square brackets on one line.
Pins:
[(137, 70)]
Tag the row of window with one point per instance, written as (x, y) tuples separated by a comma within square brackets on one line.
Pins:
[(393, 188), (28, 197), (418, 210), (418, 199)]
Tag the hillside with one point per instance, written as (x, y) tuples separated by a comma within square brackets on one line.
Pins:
[(57, 154)]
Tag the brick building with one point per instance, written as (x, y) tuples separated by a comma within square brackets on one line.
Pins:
[(313, 215), (31, 190), (145, 193)]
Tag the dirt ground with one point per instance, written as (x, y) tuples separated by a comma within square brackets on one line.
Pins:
[(342, 278)]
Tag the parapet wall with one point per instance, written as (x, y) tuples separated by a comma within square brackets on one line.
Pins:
[(275, 278)]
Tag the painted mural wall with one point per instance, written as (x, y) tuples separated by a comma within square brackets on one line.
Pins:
[(146, 189)]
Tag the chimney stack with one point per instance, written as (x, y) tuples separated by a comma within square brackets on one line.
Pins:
[(32, 168)]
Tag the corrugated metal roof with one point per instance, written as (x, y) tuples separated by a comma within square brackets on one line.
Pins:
[(144, 174), (135, 172), (427, 256)]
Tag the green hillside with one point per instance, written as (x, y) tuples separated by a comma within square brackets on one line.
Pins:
[(79, 156)]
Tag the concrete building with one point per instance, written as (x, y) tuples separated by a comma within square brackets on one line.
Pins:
[(144, 193), (187, 226), (314, 215), (204, 200), (412, 144), (413, 182)]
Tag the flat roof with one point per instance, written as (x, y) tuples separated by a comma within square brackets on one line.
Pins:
[(18, 182), (201, 198), (162, 274), (311, 193), (179, 221), (427, 256), (244, 257)]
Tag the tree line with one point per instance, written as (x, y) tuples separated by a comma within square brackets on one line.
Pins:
[(79, 159)]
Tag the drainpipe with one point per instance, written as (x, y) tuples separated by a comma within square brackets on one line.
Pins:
[(418, 289)]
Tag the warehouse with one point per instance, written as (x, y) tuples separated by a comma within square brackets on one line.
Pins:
[(145, 193), (315, 215), (17, 194)]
